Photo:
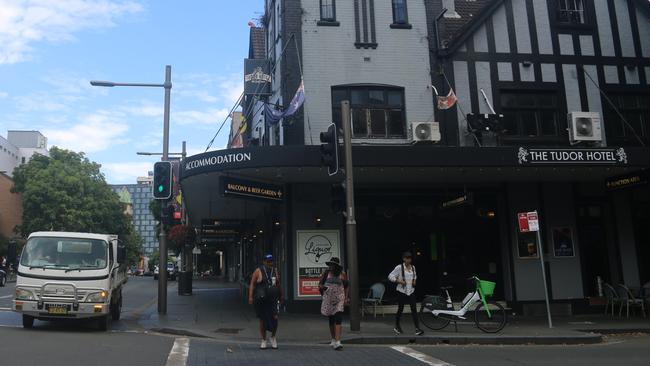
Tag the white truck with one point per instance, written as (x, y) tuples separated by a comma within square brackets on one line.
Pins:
[(65, 275)]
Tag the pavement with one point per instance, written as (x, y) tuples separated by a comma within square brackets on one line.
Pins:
[(216, 310)]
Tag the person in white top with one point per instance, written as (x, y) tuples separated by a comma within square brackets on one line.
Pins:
[(405, 276)]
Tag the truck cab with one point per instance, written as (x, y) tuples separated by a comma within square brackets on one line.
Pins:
[(65, 275)]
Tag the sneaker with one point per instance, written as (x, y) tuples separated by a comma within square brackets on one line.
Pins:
[(398, 330), (338, 346), (263, 344), (419, 332), (274, 343), (333, 343)]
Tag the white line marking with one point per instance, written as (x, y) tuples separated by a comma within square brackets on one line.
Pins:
[(6, 296), (420, 356), (180, 351), (6, 309)]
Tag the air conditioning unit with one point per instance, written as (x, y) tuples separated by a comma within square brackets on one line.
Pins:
[(425, 131), (585, 126)]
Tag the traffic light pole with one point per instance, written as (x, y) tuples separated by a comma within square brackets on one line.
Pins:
[(351, 222), (162, 263)]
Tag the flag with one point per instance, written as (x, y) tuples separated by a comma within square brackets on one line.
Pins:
[(447, 101), (273, 116)]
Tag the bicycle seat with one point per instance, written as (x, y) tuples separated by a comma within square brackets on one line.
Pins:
[(446, 288)]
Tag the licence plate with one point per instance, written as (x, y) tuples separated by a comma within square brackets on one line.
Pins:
[(57, 309)]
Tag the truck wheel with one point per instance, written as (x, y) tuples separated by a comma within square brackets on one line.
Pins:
[(102, 323), (28, 321), (116, 309)]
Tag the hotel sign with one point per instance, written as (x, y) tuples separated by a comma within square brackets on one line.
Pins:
[(216, 160), (257, 77), (249, 189), (534, 156)]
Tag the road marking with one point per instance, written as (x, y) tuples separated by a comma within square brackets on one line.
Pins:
[(6, 296), (420, 356), (6, 309), (178, 354)]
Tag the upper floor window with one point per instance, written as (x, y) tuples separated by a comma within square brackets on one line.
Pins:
[(530, 114), (571, 11), (400, 15), (328, 10), (635, 108), (377, 111)]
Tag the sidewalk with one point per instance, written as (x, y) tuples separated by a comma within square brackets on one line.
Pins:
[(216, 310)]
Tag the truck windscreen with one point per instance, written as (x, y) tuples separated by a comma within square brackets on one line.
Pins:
[(65, 253)]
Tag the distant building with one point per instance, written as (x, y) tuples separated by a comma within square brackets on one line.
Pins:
[(19, 147), (136, 199), (11, 209)]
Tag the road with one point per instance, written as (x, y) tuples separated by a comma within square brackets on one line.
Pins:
[(128, 344)]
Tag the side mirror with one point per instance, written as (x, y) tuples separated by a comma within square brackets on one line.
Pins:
[(121, 254)]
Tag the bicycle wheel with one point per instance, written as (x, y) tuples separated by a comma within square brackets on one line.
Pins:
[(431, 321), (493, 322)]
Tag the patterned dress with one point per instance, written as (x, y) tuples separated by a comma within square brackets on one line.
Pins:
[(334, 296)]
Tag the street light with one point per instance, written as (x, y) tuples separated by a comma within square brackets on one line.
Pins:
[(167, 85)]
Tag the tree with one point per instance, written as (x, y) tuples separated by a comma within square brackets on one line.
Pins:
[(68, 192), (154, 258)]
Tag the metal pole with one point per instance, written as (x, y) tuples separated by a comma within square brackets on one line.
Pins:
[(162, 272), (351, 223), (541, 260)]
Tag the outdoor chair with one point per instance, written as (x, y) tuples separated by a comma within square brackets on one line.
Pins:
[(612, 298), (628, 299), (374, 299), (645, 295)]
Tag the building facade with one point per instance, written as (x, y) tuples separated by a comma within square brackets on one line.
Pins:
[(551, 116), (137, 198), (19, 147)]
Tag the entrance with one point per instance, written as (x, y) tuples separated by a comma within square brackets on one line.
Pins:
[(592, 235)]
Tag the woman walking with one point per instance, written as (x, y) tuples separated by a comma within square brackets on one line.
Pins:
[(334, 288), (405, 276), (265, 293)]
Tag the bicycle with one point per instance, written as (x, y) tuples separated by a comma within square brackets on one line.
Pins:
[(489, 315)]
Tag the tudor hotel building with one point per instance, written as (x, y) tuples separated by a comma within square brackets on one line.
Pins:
[(553, 115)]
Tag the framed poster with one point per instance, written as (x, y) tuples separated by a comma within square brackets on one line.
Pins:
[(313, 249), (563, 242), (527, 245)]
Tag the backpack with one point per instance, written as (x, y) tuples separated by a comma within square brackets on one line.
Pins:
[(265, 291)]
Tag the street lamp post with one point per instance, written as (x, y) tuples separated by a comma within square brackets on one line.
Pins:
[(167, 85)]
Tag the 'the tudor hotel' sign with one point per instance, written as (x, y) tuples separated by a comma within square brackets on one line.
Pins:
[(611, 156)]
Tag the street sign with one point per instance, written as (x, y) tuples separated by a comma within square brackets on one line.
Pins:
[(250, 189), (523, 222), (533, 221), (528, 221)]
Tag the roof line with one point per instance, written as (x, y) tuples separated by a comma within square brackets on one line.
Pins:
[(470, 27)]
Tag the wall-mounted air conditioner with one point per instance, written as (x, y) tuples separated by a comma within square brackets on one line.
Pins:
[(585, 126), (425, 131)]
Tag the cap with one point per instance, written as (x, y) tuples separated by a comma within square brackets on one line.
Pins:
[(268, 257)]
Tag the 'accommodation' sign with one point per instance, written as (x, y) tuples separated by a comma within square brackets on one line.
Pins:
[(572, 156)]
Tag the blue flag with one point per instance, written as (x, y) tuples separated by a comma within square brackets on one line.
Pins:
[(273, 116)]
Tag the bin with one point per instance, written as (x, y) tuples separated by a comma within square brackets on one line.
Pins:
[(185, 283)]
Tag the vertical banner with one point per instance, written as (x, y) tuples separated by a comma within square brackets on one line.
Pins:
[(257, 77), (313, 249)]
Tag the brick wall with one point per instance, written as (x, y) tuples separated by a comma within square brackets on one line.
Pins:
[(11, 209)]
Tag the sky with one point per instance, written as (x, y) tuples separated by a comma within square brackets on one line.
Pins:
[(51, 49)]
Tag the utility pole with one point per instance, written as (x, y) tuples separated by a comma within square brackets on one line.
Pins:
[(351, 222), (162, 265)]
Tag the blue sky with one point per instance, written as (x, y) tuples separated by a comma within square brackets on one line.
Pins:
[(49, 50)]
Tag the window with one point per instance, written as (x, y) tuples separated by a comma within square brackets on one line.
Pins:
[(377, 111), (530, 114), (328, 10), (400, 16), (635, 108), (571, 11)]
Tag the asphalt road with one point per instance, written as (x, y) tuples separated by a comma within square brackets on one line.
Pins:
[(128, 344)]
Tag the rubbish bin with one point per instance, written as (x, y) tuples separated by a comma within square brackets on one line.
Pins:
[(185, 283)]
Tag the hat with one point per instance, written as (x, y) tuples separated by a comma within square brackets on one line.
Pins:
[(334, 261), (268, 257), (407, 255)]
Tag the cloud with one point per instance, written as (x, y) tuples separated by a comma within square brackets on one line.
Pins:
[(209, 116), (126, 172), (3, 94), (26, 22), (93, 133)]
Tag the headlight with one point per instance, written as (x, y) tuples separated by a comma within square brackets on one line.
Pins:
[(100, 296), (24, 294)]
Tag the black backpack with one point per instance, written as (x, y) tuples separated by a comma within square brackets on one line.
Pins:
[(265, 291)]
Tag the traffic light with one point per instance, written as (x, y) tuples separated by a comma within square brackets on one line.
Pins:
[(162, 180), (330, 149)]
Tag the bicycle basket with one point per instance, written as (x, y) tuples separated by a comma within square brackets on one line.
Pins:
[(486, 287), (434, 303)]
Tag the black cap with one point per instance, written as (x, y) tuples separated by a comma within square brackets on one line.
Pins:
[(407, 255), (334, 261)]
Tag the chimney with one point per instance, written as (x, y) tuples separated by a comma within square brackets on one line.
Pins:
[(450, 5)]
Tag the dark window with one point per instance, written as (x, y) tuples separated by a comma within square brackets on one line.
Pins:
[(328, 10), (377, 111), (635, 109), (571, 11), (400, 15), (530, 114)]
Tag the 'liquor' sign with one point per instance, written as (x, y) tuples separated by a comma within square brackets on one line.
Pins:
[(572, 156)]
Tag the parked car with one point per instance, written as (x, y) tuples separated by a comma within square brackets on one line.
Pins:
[(172, 271)]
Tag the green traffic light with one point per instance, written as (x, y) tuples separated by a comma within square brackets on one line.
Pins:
[(160, 188)]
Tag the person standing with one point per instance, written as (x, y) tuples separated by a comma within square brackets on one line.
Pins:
[(334, 288), (265, 293), (405, 276)]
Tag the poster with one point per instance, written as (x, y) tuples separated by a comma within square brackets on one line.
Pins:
[(563, 242), (314, 248), (527, 245)]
